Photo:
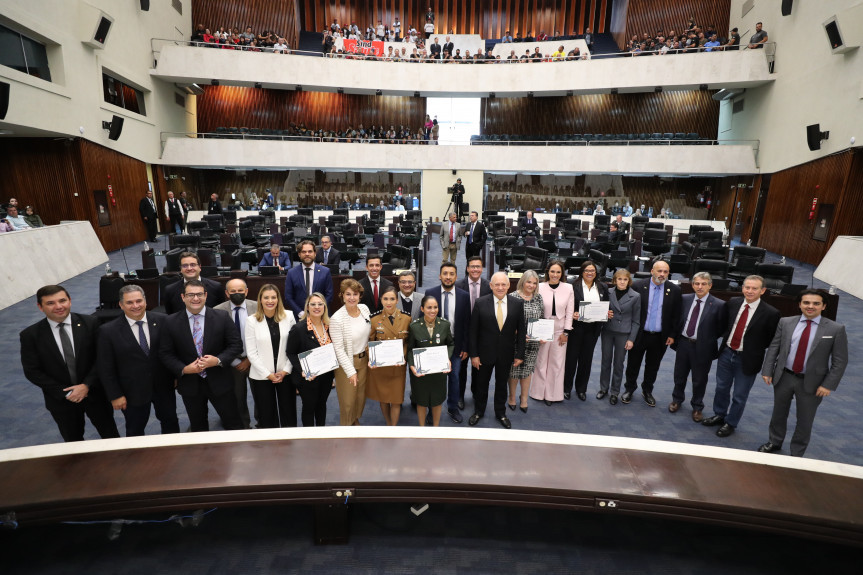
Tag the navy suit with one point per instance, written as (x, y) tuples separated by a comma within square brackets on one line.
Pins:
[(697, 356), (461, 331), (126, 371), (652, 344), (333, 258), (296, 291), (484, 289), (284, 260), (174, 294)]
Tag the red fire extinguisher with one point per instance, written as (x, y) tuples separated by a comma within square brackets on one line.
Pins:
[(812, 209)]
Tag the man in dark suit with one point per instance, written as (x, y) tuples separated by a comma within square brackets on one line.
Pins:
[(529, 225), (660, 326), (409, 300), (190, 269), (805, 362), (198, 346), (327, 254), (749, 329), (129, 366), (214, 206), (611, 241), (147, 209), (58, 354), (373, 284), (299, 278), (454, 306), (622, 226), (697, 347), (476, 286), (240, 308), (174, 214), (496, 343), (476, 236), (276, 257), (448, 47)]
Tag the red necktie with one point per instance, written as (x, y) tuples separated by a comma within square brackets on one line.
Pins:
[(451, 232), (376, 293), (800, 356), (737, 338)]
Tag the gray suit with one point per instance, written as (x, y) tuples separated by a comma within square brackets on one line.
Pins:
[(416, 299), (825, 365), (450, 249), (241, 378), (697, 356), (621, 328)]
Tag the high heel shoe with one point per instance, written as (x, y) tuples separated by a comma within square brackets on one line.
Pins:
[(548, 402), (523, 409), (511, 406)]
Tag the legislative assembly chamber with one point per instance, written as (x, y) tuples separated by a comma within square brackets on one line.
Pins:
[(409, 286)]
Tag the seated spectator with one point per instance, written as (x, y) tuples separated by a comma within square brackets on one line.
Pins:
[(530, 37), (248, 34), (712, 44), (512, 55), (5, 226), (574, 54), (526, 56), (518, 37), (32, 219), (559, 55), (281, 47), (457, 54), (198, 36), (543, 37), (507, 38), (18, 222), (536, 56)]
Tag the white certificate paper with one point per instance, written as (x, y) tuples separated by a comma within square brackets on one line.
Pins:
[(540, 330), (429, 360), (319, 360), (593, 311), (386, 353)]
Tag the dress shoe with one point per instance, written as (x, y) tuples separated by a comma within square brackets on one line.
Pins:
[(626, 397), (455, 416), (474, 419), (769, 448), (523, 409), (713, 420), (601, 394), (548, 402), (697, 416), (582, 396), (511, 406), (648, 398), (725, 430), (461, 404), (504, 421), (612, 400), (673, 407), (567, 395)]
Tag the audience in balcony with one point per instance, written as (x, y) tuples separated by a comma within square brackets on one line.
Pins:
[(693, 39)]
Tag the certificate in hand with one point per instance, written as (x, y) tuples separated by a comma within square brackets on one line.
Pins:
[(319, 360), (431, 360), (384, 353), (540, 330), (593, 311)]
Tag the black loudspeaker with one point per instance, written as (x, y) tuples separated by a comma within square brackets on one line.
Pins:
[(786, 7), (116, 128), (814, 135), (4, 100), (145, 5), (102, 30)]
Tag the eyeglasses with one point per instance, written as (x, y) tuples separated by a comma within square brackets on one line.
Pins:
[(406, 282), (197, 295), (188, 266)]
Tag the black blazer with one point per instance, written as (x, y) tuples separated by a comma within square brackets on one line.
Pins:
[(490, 344), (214, 207), (369, 297), (672, 318), (335, 256), (449, 47), (758, 335), (578, 294), (146, 209), (43, 361), (174, 299), (124, 369), (464, 284), (221, 339), (480, 236), (461, 329), (301, 339), (711, 325)]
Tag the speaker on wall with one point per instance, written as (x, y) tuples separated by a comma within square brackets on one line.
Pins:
[(786, 7), (4, 100), (114, 127), (814, 135), (145, 5)]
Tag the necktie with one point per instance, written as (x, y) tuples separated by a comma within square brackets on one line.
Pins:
[(327, 256), (375, 283), (693, 319), (800, 356), (142, 338), (470, 234), (474, 293), (407, 306), (737, 338), (392, 320), (446, 305), (308, 281), (68, 353), (198, 337), (451, 232), (237, 319), (499, 315), (655, 321)]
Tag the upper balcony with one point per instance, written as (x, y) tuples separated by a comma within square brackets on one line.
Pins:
[(182, 63)]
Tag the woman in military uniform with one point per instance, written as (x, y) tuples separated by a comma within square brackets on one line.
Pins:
[(428, 391), (387, 384)]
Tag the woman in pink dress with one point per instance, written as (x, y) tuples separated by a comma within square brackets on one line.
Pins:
[(559, 304)]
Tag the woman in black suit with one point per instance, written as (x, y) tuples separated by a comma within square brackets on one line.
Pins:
[(311, 332), (584, 334), (618, 337)]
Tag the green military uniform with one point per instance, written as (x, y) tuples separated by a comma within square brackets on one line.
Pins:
[(428, 390)]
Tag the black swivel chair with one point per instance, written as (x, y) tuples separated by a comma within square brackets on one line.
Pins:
[(776, 276), (655, 241), (744, 261), (716, 268), (534, 259)]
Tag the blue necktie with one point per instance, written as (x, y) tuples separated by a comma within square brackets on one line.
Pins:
[(655, 320), (198, 337), (142, 338)]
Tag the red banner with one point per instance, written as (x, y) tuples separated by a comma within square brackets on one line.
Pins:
[(375, 47)]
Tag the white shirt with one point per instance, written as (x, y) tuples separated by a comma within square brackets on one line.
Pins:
[(451, 308), (591, 295), (56, 333), (752, 307), (703, 301), (134, 326), (359, 332)]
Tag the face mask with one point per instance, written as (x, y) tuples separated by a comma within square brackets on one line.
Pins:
[(238, 298)]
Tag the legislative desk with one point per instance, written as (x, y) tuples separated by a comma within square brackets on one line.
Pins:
[(116, 478)]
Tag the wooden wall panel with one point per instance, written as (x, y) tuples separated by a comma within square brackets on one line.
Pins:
[(786, 228), (685, 111), (276, 109), (47, 173), (273, 15), (488, 18), (651, 15)]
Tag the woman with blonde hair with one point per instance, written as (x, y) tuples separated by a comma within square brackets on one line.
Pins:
[(266, 337), (349, 329), (526, 290), (311, 333)]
